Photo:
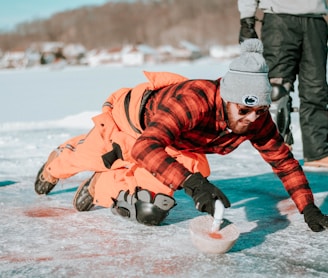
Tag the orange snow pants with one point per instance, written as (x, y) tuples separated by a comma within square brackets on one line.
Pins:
[(84, 153)]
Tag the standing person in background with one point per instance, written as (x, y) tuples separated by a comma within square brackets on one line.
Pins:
[(294, 35)]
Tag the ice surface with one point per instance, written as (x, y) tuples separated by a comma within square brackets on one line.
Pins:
[(43, 236)]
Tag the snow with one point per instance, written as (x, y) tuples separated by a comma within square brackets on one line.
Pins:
[(43, 236)]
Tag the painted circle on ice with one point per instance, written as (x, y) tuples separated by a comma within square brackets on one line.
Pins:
[(48, 212)]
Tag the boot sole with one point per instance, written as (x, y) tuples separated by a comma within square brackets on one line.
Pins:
[(83, 201), (43, 187)]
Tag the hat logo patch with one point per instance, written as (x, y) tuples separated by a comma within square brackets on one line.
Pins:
[(250, 100)]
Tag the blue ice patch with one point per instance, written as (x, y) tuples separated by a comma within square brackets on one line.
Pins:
[(6, 183)]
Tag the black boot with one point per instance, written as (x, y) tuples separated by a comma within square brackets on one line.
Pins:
[(44, 183), (83, 200)]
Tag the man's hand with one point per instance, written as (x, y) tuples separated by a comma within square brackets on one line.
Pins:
[(204, 193), (110, 157), (314, 218), (247, 29)]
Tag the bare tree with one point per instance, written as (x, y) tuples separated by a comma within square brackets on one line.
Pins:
[(153, 22)]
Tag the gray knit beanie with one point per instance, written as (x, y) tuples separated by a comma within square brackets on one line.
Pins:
[(247, 81)]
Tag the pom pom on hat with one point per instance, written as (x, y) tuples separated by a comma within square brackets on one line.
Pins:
[(252, 45), (247, 81)]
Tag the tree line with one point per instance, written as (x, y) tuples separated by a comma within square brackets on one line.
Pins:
[(152, 22)]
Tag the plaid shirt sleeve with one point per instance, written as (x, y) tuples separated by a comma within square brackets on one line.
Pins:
[(272, 148), (179, 112)]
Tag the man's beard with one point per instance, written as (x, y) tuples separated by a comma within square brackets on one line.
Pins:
[(236, 126)]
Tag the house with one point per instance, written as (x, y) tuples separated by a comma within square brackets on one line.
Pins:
[(74, 53), (224, 52), (13, 59), (33, 57), (97, 57), (131, 56), (165, 53), (186, 51), (49, 51)]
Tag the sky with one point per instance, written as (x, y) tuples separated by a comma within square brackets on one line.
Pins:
[(13, 12), (43, 236)]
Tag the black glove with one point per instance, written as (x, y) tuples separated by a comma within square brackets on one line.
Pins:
[(314, 218), (247, 29), (204, 193), (110, 157)]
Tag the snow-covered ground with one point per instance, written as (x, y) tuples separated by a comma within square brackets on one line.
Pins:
[(43, 236)]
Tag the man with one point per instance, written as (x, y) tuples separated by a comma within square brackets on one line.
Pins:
[(294, 35), (151, 140)]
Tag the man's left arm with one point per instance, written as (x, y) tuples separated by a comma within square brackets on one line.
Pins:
[(274, 151)]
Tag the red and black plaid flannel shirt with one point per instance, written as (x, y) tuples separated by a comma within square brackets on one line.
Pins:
[(190, 116)]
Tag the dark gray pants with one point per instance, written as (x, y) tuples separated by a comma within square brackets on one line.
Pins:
[(297, 45)]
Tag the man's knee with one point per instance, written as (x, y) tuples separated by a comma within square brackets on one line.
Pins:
[(142, 207)]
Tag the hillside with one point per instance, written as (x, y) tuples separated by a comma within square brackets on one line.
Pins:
[(153, 22)]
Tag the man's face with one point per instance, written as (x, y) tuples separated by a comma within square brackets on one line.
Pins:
[(240, 116)]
